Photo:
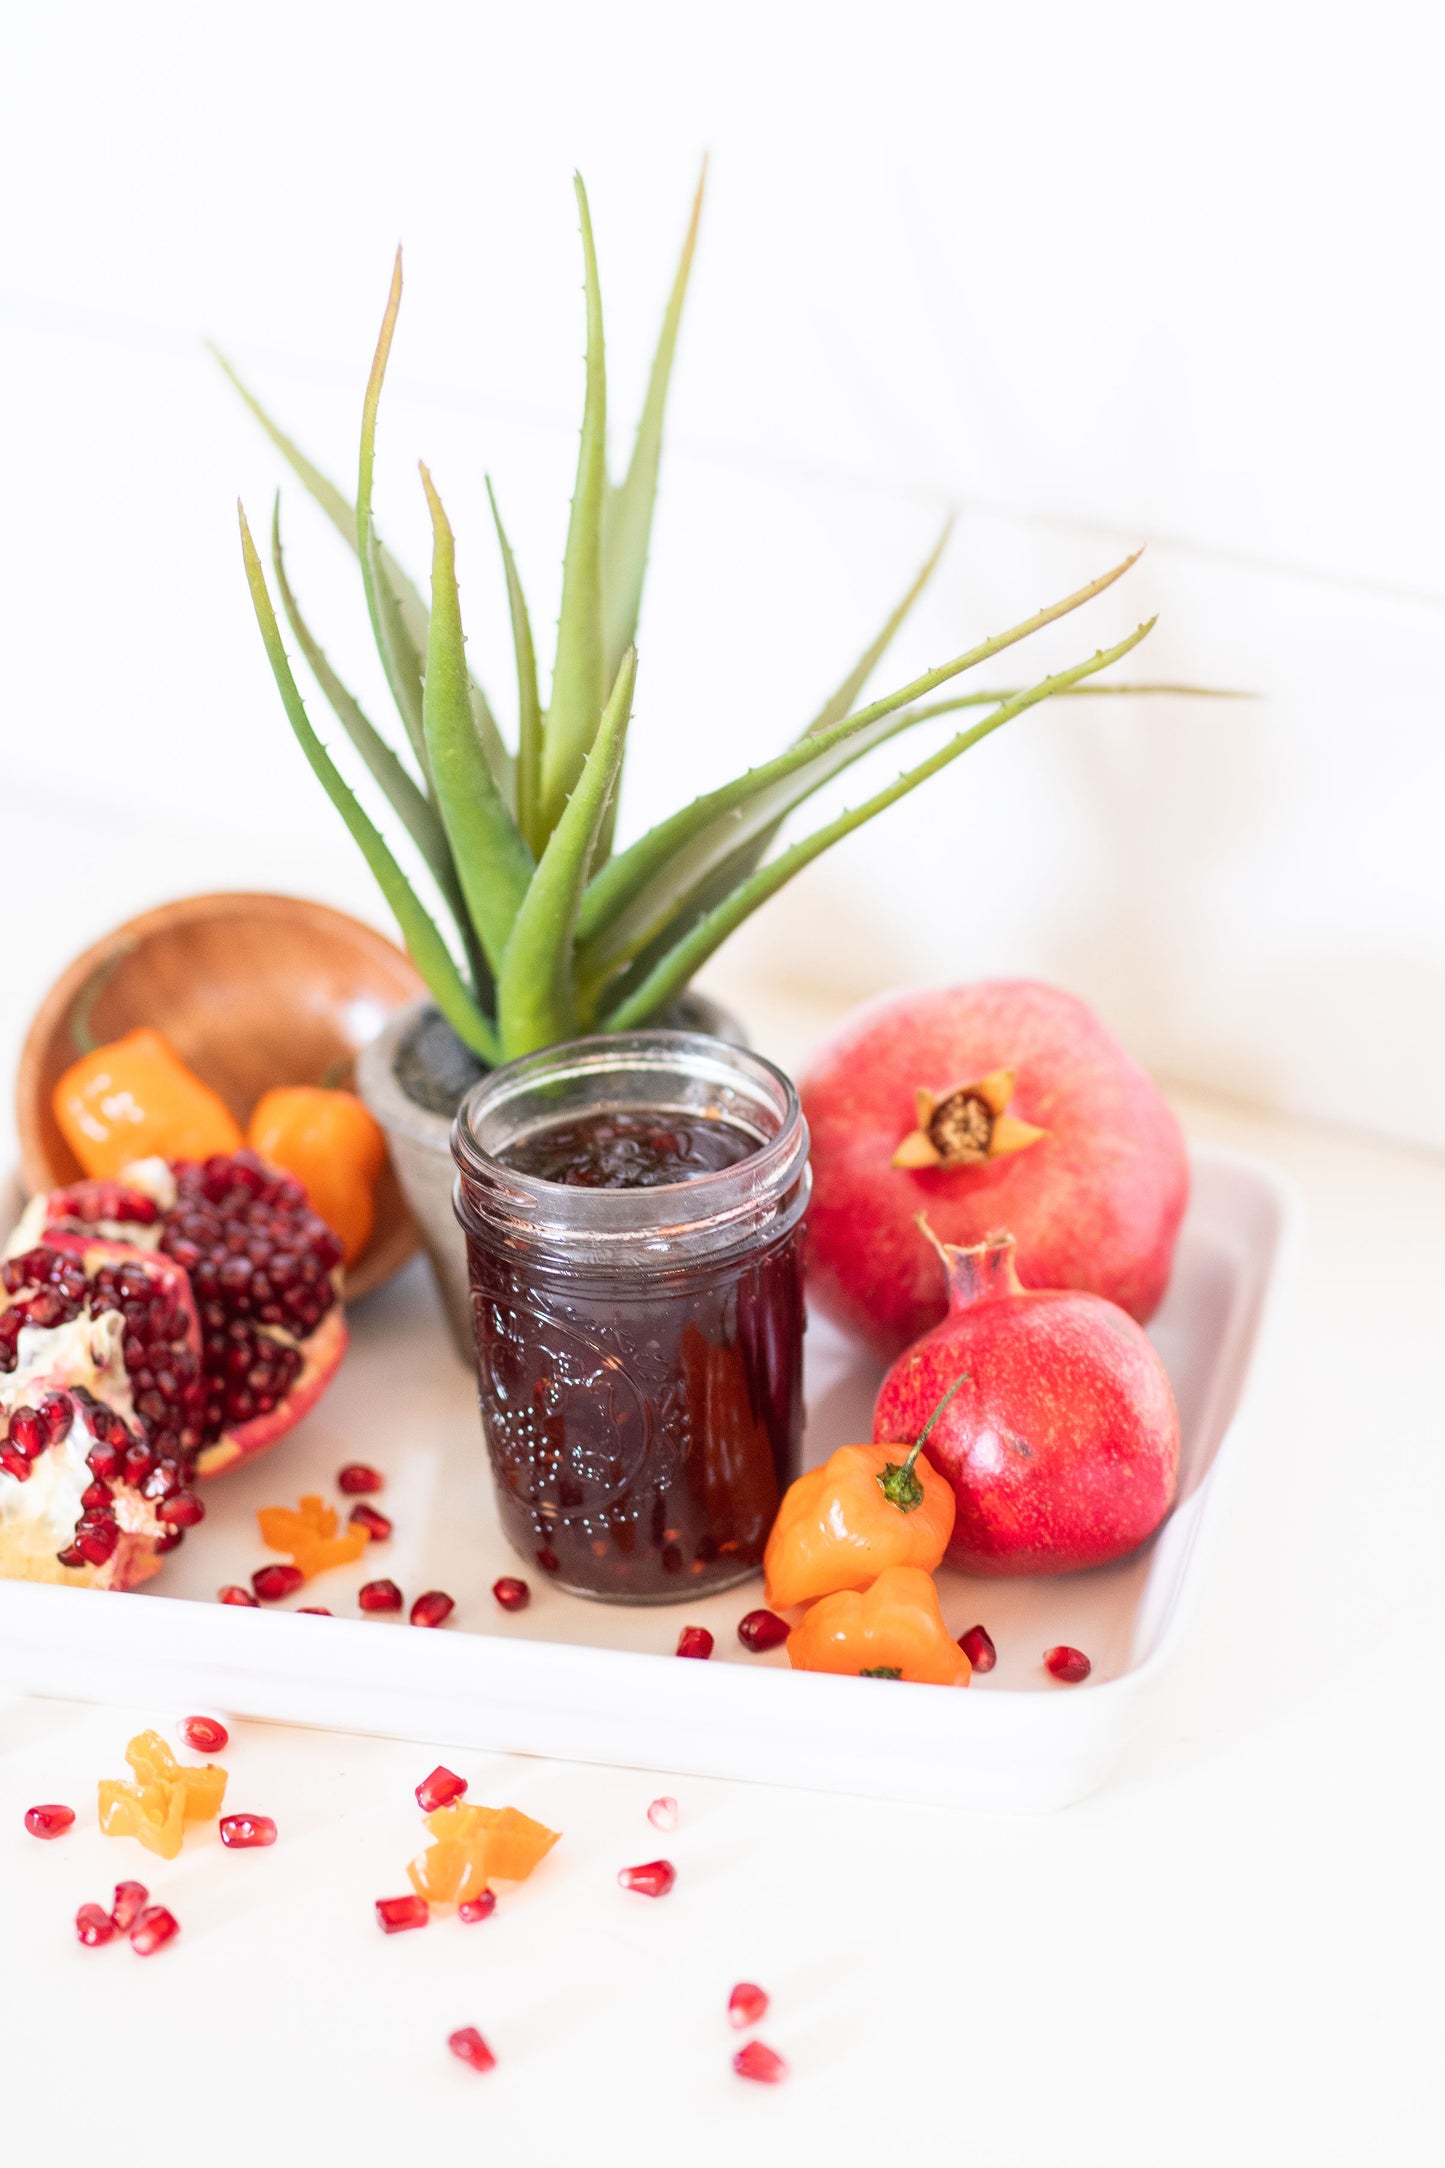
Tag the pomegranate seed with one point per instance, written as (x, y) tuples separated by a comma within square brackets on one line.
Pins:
[(379, 1596), (232, 1594), (478, 1908), (49, 1821), (746, 2004), (512, 1594), (1070, 1665), (654, 1879), (469, 2047), (153, 1930), (247, 1832), (58, 1413), (695, 1641), (393, 1914), (377, 1526), (313, 1610), (756, 2061), (439, 1789), (271, 1583), (94, 1925), (432, 1608), (978, 1647), (762, 1630), (131, 1899), (184, 1510), (663, 1813), (203, 1734), (359, 1481), (28, 1432)]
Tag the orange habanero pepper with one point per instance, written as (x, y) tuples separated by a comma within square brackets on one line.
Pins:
[(893, 1630), (134, 1099), (841, 1524), (335, 1149)]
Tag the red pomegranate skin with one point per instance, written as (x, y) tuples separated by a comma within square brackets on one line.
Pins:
[(1096, 1204), (1062, 1446)]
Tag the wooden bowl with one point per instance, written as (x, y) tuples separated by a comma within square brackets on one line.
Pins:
[(252, 991)]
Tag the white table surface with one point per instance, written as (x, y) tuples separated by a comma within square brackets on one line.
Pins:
[(1226, 1955)]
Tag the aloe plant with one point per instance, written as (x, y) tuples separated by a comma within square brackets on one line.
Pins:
[(546, 930)]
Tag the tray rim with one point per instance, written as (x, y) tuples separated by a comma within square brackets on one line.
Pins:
[(43, 1649)]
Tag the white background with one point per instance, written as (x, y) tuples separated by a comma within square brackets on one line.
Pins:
[(1095, 276)]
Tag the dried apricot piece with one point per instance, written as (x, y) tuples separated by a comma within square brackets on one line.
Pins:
[(501, 1843), (152, 1763), (153, 1813), (307, 1535), (515, 1845), (447, 1873)]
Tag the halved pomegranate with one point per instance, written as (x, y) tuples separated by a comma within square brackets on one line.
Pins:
[(84, 1498), (263, 1269)]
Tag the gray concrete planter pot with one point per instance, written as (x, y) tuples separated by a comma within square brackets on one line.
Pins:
[(414, 1076)]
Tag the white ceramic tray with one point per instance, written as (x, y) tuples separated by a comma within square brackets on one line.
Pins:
[(594, 1682)]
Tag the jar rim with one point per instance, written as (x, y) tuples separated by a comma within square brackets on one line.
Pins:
[(736, 1198)]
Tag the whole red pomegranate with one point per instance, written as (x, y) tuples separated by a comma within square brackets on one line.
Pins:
[(1008, 1104), (1061, 1443)]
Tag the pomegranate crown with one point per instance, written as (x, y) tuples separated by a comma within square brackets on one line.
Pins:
[(535, 930)]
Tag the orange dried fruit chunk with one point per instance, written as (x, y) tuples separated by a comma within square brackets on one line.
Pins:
[(500, 1843), (154, 1813), (307, 1535), (447, 1874), (164, 1797), (153, 1764)]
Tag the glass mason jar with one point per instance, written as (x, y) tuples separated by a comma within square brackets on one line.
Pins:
[(639, 1349)]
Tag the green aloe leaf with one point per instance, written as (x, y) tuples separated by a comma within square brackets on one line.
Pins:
[(342, 513), (628, 507), (493, 864), (673, 970), (578, 679), (529, 705), (535, 992), (634, 896), (429, 951), (419, 816)]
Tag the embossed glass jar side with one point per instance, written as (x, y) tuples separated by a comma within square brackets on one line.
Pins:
[(639, 1350)]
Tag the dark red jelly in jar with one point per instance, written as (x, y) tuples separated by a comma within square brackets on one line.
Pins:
[(637, 1299)]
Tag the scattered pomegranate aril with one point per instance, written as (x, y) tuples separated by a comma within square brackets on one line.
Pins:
[(359, 1481), (746, 2004), (94, 1925), (271, 1583), (512, 1594), (432, 1608), (203, 1734), (183, 1510), (762, 1630), (231, 1593), (760, 2063), (663, 1813), (394, 1914), (131, 1899), (654, 1879), (313, 1610), (478, 1908), (377, 1526), (153, 1930), (379, 1596), (695, 1641), (439, 1789), (246, 1832), (49, 1821), (1066, 1664), (978, 1647), (470, 2048)]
